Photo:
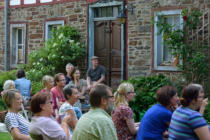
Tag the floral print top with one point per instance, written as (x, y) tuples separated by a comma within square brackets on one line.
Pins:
[(119, 117)]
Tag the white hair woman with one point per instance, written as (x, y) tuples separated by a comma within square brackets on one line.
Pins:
[(9, 84), (16, 124), (122, 116)]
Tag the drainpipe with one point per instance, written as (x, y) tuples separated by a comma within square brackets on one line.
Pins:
[(6, 34)]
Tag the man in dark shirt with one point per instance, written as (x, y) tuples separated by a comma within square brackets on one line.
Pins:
[(95, 74)]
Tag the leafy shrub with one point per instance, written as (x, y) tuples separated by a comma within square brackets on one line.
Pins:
[(6, 75), (64, 47), (145, 88), (37, 86), (207, 113)]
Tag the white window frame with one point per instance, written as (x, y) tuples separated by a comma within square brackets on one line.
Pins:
[(13, 42), (162, 13), (48, 23)]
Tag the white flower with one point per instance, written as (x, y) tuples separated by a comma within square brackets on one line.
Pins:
[(54, 44), (71, 41), (60, 36)]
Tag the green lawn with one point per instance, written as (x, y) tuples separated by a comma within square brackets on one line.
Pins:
[(5, 136)]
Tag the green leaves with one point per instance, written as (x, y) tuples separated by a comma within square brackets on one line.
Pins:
[(64, 47), (145, 88), (190, 53)]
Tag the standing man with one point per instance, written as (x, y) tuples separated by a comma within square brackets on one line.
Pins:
[(97, 123), (95, 74)]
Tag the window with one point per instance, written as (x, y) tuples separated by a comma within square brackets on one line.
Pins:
[(17, 41), (49, 25), (163, 59), (110, 11)]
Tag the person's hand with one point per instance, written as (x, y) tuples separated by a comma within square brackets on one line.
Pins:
[(94, 84), (203, 105), (89, 87), (66, 119)]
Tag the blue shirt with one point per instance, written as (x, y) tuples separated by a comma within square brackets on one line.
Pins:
[(154, 123), (24, 86), (183, 123)]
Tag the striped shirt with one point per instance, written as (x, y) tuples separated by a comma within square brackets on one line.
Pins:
[(183, 123), (13, 120)]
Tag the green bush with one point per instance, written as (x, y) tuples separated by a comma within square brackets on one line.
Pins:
[(145, 88), (65, 46), (207, 113), (6, 75), (37, 86)]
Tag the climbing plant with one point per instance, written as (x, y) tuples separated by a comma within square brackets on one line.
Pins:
[(191, 54)]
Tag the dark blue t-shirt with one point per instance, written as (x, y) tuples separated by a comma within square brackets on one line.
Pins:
[(154, 123)]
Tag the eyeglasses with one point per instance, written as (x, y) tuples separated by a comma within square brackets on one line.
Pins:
[(62, 80), (131, 92), (110, 96), (49, 102)]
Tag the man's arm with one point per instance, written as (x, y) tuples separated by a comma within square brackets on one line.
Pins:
[(100, 80)]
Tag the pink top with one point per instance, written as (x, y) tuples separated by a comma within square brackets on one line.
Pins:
[(56, 93), (119, 117), (55, 106)]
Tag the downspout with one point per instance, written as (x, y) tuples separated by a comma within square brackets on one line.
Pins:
[(123, 62), (6, 34)]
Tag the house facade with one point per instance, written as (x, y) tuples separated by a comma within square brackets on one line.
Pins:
[(118, 31)]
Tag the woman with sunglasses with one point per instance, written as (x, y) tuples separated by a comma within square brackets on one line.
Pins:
[(122, 115), (43, 124)]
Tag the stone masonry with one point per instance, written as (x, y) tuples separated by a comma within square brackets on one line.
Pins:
[(139, 36), (74, 14), (140, 32)]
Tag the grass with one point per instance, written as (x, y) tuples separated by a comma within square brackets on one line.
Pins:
[(5, 136)]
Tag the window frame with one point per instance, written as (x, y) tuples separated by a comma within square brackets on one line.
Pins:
[(48, 23), (13, 34), (155, 55)]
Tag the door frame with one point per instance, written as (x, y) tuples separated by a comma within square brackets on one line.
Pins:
[(91, 20)]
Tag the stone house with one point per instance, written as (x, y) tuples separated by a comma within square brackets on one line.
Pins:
[(118, 31)]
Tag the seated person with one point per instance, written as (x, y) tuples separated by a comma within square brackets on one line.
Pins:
[(24, 86), (95, 74), (16, 124), (71, 95), (187, 123), (81, 85), (9, 84), (157, 118), (43, 123), (69, 69), (122, 115)]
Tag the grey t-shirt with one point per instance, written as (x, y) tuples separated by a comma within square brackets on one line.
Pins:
[(95, 74), (47, 127)]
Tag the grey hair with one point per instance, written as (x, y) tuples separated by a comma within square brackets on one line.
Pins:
[(69, 65), (8, 84), (197, 85)]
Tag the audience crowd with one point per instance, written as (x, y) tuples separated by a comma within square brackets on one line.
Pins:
[(72, 108)]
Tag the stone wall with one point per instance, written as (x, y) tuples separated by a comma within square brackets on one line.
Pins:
[(139, 30), (73, 13)]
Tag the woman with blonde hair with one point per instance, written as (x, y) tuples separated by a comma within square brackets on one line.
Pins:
[(122, 115)]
